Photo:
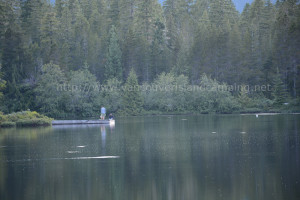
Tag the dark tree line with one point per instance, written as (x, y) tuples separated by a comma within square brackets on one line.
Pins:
[(103, 40)]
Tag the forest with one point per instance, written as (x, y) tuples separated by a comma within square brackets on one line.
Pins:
[(67, 59)]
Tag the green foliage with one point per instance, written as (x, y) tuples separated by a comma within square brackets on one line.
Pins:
[(113, 67), (114, 12), (34, 122), (279, 92), (83, 94), (157, 50), (132, 101), (165, 45), (2, 86), (262, 103), (214, 97), (255, 102), (7, 124), (50, 91), (167, 93), (227, 105), (59, 7), (2, 117), (111, 95), (49, 37), (24, 118), (243, 97), (14, 117), (170, 93)]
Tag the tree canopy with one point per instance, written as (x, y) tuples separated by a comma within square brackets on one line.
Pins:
[(43, 44)]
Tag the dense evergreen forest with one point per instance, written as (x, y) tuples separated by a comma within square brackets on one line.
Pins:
[(66, 60)]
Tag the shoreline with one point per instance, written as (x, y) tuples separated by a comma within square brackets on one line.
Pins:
[(49, 121)]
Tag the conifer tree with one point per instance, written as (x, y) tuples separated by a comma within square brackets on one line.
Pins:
[(59, 5), (114, 13), (233, 55), (286, 42), (81, 33), (257, 38), (279, 91), (157, 50), (147, 12), (13, 58), (183, 37), (113, 67), (49, 37), (132, 52), (200, 51), (132, 101), (2, 86), (96, 20), (5, 11), (87, 7), (31, 15), (12, 55), (127, 15), (243, 97), (173, 21)]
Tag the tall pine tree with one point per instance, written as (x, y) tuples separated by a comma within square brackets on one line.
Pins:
[(132, 101), (279, 91), (113, 66)]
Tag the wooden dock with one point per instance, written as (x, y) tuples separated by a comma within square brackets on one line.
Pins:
[(70, 122)]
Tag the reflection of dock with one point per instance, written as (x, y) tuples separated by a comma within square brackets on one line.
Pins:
[(71, 122)]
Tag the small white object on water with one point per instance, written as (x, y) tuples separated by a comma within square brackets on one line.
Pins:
[(243, 132), (72, 151), (97, 157), (80, 146), (256, 115), (213, 132)]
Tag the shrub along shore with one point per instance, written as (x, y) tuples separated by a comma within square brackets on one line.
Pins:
[(168, 94), (23, 119)]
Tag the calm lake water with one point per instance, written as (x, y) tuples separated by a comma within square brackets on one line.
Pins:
[(230, 157)]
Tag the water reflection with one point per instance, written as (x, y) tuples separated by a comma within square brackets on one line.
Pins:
[(201, 157), (103, 138)]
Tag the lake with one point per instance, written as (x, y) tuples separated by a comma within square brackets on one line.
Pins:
[(230, 157)]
